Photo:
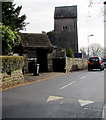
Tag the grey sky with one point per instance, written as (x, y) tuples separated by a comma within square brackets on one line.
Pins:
[(40, 15)]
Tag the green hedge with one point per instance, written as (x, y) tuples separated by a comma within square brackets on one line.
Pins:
[(11, 63)]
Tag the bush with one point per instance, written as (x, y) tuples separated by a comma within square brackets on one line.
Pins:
[(69, 53), (11, 63), (10, 39)]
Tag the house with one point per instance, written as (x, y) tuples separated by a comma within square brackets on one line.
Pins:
[(37, 49)]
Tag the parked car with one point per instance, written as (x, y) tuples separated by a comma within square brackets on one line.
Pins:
[(104, 61), (95, 63)]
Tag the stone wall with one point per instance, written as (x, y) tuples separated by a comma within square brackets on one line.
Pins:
[(6, 80), (49, 62), (25, 67), (74, 64)]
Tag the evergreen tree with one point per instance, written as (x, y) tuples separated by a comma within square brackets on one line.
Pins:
[(10, 16)]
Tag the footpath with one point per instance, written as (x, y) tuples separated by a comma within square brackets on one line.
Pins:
[(42, 76), (104, 112), (30, 78)]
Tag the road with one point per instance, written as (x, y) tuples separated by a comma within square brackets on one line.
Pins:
[(73, 95)]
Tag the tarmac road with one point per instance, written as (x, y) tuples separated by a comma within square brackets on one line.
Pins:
[(73, 95)]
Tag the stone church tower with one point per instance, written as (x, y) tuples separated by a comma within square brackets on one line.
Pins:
[(65, 27)]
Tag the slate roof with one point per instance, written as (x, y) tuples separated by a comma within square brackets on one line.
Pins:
[(32, 40), (65, 12)]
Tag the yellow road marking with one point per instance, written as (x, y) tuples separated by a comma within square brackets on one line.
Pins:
[(52, 98), (31, 82), (85, 102)]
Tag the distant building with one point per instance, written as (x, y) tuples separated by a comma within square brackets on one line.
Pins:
[(65, 27)]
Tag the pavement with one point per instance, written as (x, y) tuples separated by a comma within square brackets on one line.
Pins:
[(104, 112), (42, 76), (30, 78)]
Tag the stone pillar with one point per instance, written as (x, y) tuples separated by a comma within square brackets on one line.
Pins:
[(49, 62), (25, 68)]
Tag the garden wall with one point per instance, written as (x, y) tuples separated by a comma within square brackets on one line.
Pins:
[(11, 71), (74, 64)]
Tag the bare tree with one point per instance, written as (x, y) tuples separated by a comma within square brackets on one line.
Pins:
[(104, 51), (84, 51), (96, 50)]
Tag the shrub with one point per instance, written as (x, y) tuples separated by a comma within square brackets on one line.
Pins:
[(10, 39), (11, 63), (69, 53)]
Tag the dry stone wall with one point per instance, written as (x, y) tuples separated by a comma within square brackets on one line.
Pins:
[(49, 62), (73, 64), (6, 80), (11, 71)]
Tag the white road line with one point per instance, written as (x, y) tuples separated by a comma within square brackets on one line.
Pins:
[(83, 77), (67, 85)]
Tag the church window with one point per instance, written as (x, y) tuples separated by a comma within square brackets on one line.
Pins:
[(65, 27)]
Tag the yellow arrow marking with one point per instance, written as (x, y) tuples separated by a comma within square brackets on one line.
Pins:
[(85, 102), (51, 98)]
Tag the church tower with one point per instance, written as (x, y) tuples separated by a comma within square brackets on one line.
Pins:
[(65, 27)]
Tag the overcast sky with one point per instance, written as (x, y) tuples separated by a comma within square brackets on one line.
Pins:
[(40, 15)]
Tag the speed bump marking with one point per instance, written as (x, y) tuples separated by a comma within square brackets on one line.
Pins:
[(52, 98)]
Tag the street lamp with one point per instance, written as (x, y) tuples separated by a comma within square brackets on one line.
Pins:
[(88, 43)]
